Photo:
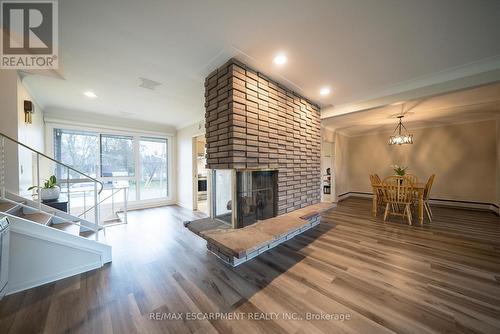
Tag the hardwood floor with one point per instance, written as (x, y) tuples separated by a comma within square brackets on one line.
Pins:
[(387, 277)]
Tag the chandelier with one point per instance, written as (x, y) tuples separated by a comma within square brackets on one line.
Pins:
[(400, 138)]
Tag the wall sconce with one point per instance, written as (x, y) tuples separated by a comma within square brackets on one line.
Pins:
[(29, 109)]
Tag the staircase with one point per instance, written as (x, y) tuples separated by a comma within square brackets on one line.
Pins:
[(48, 244), (17, 207)]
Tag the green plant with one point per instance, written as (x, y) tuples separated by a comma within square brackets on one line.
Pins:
[(48, 184), (399, 170)]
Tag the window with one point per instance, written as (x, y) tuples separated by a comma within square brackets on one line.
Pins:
[(77, 149), (139, 163), (117, 156), (154, 173)]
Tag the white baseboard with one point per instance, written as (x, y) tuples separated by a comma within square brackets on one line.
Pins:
[(51, 278)]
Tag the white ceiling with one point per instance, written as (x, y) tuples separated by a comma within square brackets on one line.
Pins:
[(355, 47), (476, 104)]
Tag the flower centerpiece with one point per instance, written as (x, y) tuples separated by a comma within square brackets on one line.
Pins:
[(399, 170)]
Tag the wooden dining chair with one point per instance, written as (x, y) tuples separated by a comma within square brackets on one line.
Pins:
[(427, 196), (411, 177), (375, 180), (398, 191)]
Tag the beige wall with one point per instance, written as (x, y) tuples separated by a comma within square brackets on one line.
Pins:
[(341, 170), (463, 157)]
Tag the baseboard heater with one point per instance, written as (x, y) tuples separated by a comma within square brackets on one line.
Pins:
[(436, 201)]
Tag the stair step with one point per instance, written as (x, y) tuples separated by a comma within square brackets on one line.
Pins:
[(6, 206), (67, 227), (87, 234), (37, 217), (92, 235)]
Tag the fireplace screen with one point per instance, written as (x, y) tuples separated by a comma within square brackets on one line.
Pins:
[(223, 194), (254, 192), (256, 196)]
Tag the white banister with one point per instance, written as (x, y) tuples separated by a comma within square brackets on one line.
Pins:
[(39, 197), (96, 208), (67, 189), (125, 199)]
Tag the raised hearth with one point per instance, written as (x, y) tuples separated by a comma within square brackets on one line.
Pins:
[(235, 246)]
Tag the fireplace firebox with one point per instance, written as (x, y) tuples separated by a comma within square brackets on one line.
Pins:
[(242, 197)]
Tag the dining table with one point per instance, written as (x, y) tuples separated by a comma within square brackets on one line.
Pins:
[(419, 189)]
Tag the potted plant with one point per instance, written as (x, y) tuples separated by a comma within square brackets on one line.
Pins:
[(49, 191), (399, 170)]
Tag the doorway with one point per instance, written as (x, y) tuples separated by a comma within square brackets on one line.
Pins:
[(200, 174)]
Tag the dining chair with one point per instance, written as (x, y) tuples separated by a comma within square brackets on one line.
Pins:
[(398, 191), (427, 196), (411, 177), (375, 180)]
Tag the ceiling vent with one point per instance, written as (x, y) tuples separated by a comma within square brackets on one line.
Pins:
[(149, 84)]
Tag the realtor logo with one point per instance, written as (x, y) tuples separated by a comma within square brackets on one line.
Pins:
[(29, 38)]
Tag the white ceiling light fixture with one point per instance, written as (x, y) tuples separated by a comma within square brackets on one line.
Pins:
[(90, 94), (402, 137), (280, 60), (324, 91)]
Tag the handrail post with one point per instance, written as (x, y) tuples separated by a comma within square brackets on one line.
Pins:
[(85, 204), (67, 187), (125, 205), (96, 208), (2, 166), (39, 197)]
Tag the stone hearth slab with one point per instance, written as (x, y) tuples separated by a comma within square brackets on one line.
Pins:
[(235, 246)]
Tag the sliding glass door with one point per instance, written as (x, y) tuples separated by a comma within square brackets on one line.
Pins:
[(154, 171), (78, 149), (139, 163), (117, 156)]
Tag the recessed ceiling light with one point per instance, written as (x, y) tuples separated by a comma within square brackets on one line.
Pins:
[(90, 94), (280, 59), (324, 91)]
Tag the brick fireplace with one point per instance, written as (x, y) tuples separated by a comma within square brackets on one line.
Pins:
[(255, 124)]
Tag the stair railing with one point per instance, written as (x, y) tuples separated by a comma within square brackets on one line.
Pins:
[(114, 191), (87, 178)]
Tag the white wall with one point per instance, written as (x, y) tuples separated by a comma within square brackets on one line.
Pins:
[(185, 170), (35, 261), (102, 121), (19, 171), (32, 135), (8, 125), (40, 254)]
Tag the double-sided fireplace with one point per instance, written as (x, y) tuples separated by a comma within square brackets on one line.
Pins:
[(242, 197)]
